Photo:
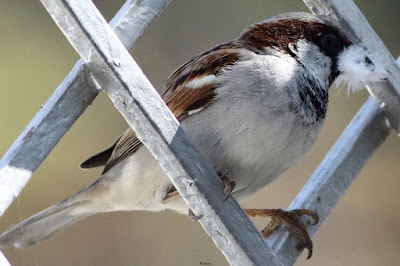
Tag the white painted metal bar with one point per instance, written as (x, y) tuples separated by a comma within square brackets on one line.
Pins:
[(62, 109), (133, 95), (47, 128), (365, 133)]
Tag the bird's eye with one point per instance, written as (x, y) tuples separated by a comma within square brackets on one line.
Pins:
[(330, 43)]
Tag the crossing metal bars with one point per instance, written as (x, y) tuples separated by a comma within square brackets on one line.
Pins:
[(107, 65)]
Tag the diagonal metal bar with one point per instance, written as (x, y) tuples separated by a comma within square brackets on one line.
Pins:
[(365, 133), (62, 109), (46, 129), (348, 17), (155, 125)]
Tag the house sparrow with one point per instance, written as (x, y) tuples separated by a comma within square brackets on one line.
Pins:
[(253, 106)]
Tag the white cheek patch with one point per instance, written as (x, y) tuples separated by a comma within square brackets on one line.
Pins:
[(200, 82), (357, 67)]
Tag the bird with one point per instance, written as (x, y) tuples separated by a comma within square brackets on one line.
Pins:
[(252, 106)]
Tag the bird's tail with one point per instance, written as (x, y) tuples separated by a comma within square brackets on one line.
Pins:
[(45, 223)]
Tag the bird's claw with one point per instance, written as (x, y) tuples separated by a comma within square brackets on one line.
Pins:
[(292, 220), (229, 186)]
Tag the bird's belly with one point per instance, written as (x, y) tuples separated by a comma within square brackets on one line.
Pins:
[(251, 150), (267, 160), (140, 184)]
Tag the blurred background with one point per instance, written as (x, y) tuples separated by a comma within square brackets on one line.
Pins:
[(35, 57)]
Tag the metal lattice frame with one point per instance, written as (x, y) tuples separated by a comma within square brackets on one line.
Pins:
[(106, 64)]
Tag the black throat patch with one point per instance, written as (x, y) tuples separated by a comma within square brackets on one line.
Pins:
[(313, 102)]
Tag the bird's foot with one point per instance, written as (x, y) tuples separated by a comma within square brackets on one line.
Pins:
[(292, 220), (229, 186)]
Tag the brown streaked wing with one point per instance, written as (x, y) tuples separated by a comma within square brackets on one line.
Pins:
[(181, 98), (178, 97)]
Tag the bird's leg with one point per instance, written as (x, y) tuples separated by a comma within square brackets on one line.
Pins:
[(193, 216), (229, 186), (292, 220)]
